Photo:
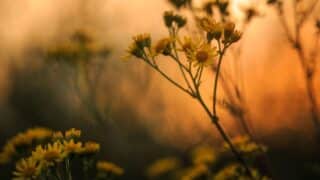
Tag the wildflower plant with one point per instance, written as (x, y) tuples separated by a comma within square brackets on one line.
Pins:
[(199, 53), (231, 79), (81, 54), (302, 11), (54, 157)]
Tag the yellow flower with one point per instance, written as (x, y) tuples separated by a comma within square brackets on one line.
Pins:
[(53, 153), (26, 138), (21, 141), (195, 172), (27, 169), (72, 133), (206, 23), (204, 56), (57, 135), (163, 46), (72, 147), (142, 40), (203, 155), (245, 145), (236, 171), (189, 45), (90, 148), (134, 50), (107, 167), (39, 133), (171, 19), (163, 166)]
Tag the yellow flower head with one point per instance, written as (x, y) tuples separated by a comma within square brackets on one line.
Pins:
[(134, 50), (195, 172), (73, 133), (206, 23), (142, 40), (204, 55), (171, 19), (163, 166), (230, 34), (107, 167), (245, 145), (38, 133), (203, 155), (90, 148), (163, 46), (21, 141), (53, 153), (27, 169), (57, 135), (189, 45), (72, 147), (236, 171)]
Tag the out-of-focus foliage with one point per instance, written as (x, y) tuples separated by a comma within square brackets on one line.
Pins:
[(207, 162), (86, 57)]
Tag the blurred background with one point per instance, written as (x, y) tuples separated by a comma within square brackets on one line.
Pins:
[(134, 112)]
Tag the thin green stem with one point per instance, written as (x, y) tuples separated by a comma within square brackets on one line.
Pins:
[(68, 169), (215, 83), (156, 67)]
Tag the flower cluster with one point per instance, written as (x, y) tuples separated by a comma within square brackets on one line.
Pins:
[(224, 31), (21, 141), (246, 146), (80, 47), (205, 162), (171, 19), (197, 50), (40, 158)]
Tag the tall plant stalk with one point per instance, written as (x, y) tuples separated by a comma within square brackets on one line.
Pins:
[(193, 89), (307, 63)]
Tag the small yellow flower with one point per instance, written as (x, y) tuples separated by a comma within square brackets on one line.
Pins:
[(53, 153), (107, 167), (163, 166), (21, 141), (236, 171), (228, 28), (134, 50), (73, 133), (203, 155), (203, 56), (90, 148), (27, 169), (195, 172), (171, 19), (235, 36), (38, 133), (57, 135), (142, 40), (163, 46), (72, 147), (245, 145), (206, 23), (189, 45)]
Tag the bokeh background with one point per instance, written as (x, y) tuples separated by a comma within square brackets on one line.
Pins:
[(144, 116)]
